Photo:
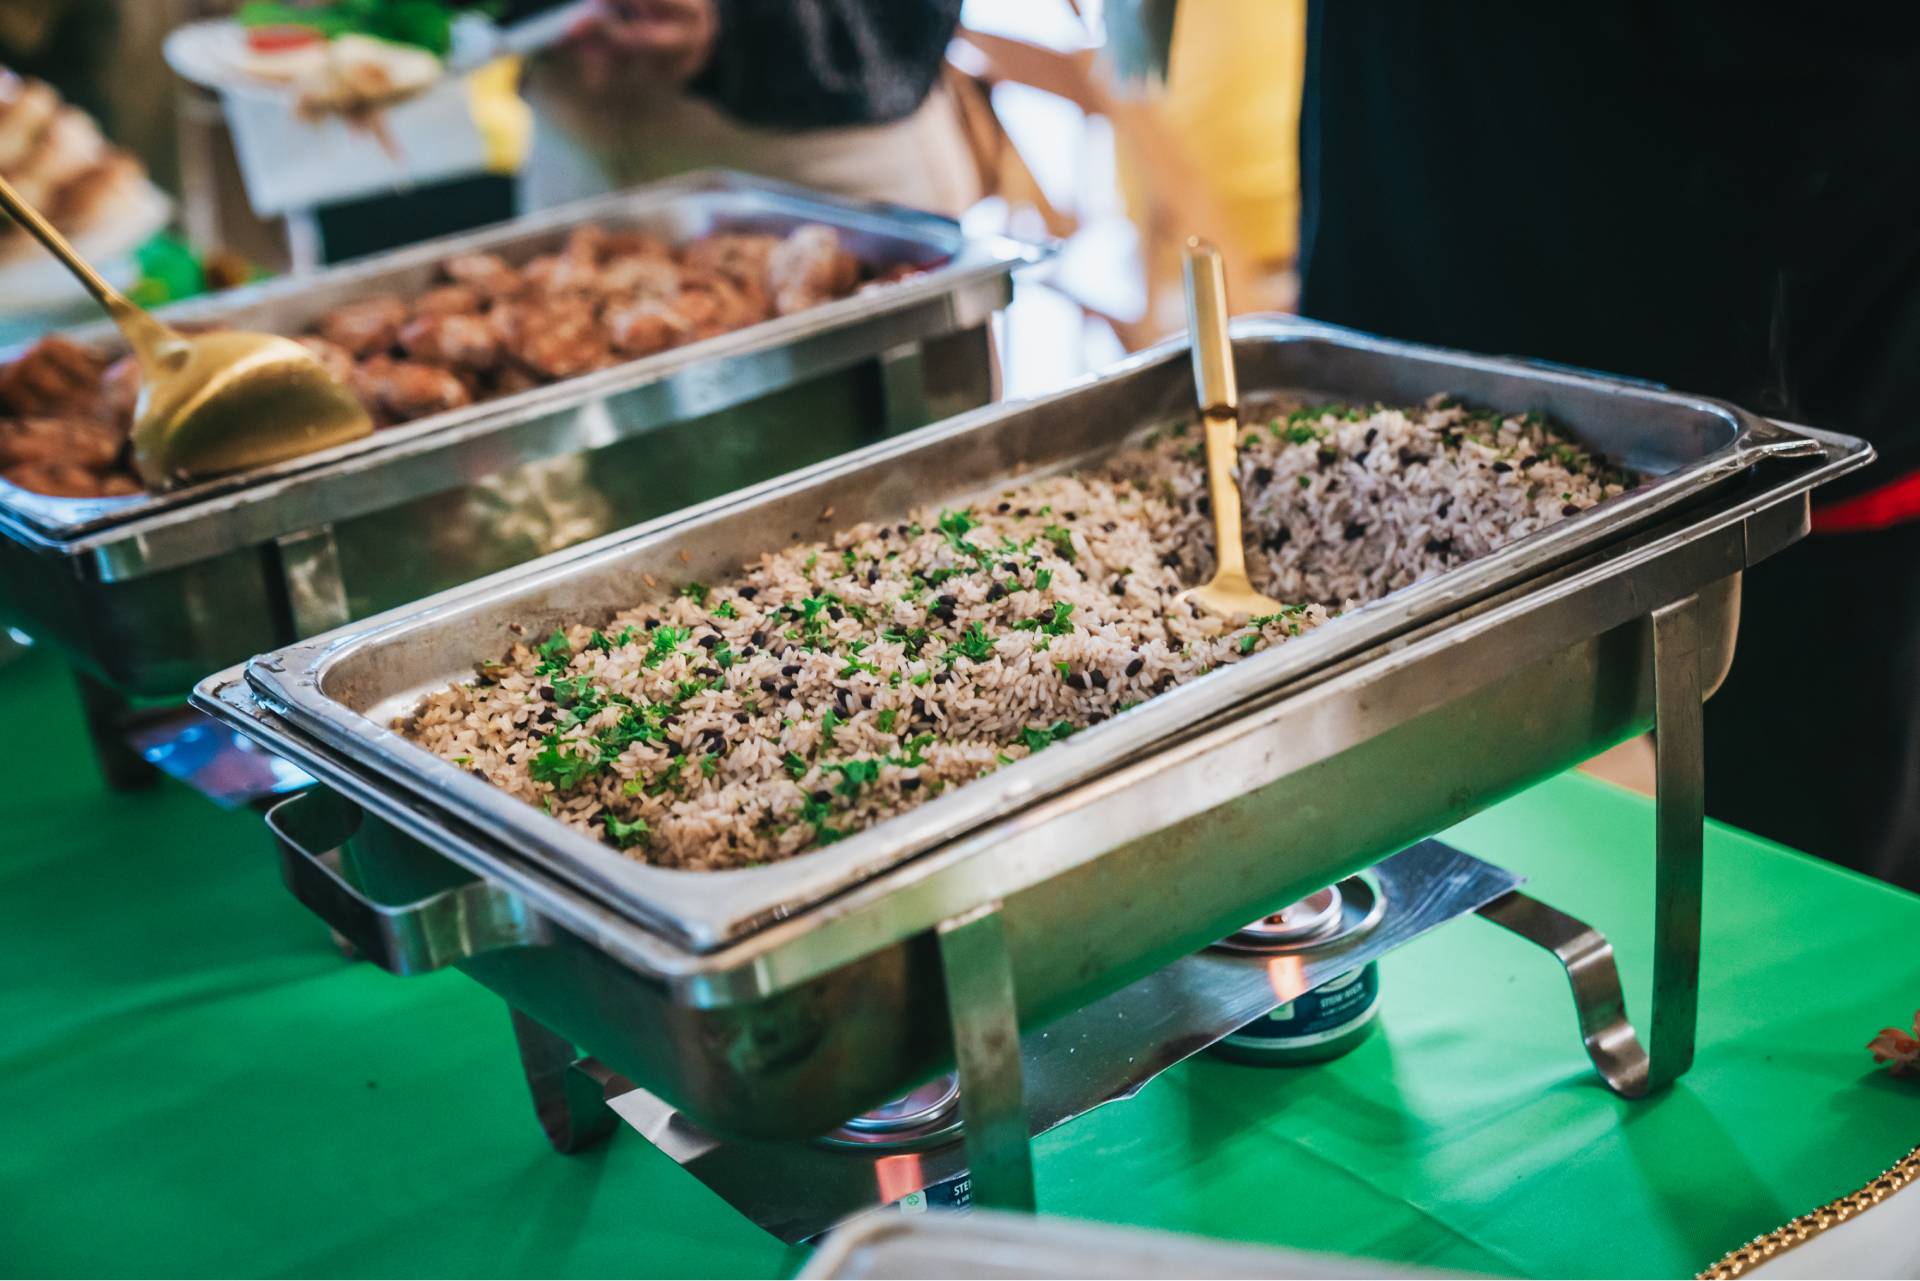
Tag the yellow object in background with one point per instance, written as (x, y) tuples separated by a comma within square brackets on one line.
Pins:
[(501, 115), (1233, 100)]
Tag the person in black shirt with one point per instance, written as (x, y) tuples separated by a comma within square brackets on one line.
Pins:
[(1699, 194)]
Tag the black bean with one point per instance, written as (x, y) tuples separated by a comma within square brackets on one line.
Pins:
[(1024, 511), (1361, 457), (1171, 560), (786, 691), (996, 591), (742, 718), (747, 652), (1077, 680), (1409, 458), (909, 784), (1073, 515), (821, 796), (1502, 468), (1331, 486), (1440, 546), (1373, 434), (873, 576), (1011, 566), (1530, 460), (748, 593), (547, 692), (759, 638), (1277, 539), (1098, 677), (919, 706), (1354, 530), (1451, 439), (1004, 508), (547, 716), (885, 533), (1328, 457), (1109, 526), (836, 613), (790, 670), (1570, 510), (769, 684), (943, 612), (1119, 587), (651, 623), (1133, 668), (901, 530), (942, 678), (1263, 476), (1203, 505), (708, 642), (949, 600), (1446, 505), (708, 673), (717, 738)]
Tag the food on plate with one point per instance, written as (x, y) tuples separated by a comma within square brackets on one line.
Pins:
[(55, 157), (830, 685), (489, 328)]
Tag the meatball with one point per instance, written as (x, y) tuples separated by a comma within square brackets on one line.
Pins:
[(486, 274), (56, 376), (398, 391), (367, 326), (810, 267), (643, 328), (457, 340), (84, 442), (332, 357)]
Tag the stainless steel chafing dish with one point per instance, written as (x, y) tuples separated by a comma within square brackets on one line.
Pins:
[(778, 1001), (148, 594)]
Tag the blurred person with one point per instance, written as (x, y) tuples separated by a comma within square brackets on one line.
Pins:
[(1701, 195), (843, 95)]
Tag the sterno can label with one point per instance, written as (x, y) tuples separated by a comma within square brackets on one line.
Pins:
[(956, 1194), (1315, 1026)]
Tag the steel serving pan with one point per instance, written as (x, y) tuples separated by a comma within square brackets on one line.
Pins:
[(345, 689), (796, 1026), (148, 594), (680, 209)]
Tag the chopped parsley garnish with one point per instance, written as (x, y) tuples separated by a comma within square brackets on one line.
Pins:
[(564, 769), (910, 639), (829, 720), (1061, 539), (817, 813), (1036, 739), (915, 747), (921, 678), (555, 653), (1056, 626), (1248, 641), (1065, 669), (607, 644), (665, 641), (723, 657), (695, 592), (885, 720), (709, 763), (1042, 579), (794, 764), (974, 643), (725, 609), (854, 775), (623, 833)]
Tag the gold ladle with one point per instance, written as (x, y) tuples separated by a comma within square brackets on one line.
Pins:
[(1230, 594), (211, 403)]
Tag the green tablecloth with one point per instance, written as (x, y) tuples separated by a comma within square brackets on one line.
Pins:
[(194, 1082)]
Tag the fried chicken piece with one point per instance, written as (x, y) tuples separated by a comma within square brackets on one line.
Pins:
[(714, 304), (333, 358), (398, 391), (741, 257), (486, 274), (57, 480), (458, 340), (84, 442), (450, 300), (367, 326), (556, 275), (635, 243), (645, 327), (640, 276), (557, 338), (53, 378), (810, 267)]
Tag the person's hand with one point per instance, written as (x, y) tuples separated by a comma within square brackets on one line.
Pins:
[(661, 41)]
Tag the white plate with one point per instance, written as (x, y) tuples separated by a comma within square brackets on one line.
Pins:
[(32, 283)]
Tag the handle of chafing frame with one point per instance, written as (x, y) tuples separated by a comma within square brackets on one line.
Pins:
[(431, 933)]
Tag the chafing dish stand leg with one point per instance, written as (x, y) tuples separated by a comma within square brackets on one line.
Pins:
[(986, 1050), (109, 716), (570, 1102), (1630, 1070)]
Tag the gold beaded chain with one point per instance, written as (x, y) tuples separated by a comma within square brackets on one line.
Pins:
[(1807, 1226)]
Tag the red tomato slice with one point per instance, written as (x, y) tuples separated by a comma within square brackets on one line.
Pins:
[(281, 39)]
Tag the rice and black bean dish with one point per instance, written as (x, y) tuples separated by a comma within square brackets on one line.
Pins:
[(833, 684)]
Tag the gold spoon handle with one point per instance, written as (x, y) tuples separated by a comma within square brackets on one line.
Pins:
[(1219, 397), (152, 342)]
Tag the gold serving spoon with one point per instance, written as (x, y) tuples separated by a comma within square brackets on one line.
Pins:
[(211, 403), (1230, 594)]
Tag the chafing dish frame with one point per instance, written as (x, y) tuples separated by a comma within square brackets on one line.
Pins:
[(1589, 646)]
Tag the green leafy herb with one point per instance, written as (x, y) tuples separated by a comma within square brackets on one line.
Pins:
[(794, 764), (623, 833), (665, 641), (725, 609), (1056, 626), (695, 592), (854, 775), (557, 765), (1036, 739), (1248, 641), (555, 653), (975, 644), (829, 721), (1042, 579), (1061, 539), (884, 721)]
